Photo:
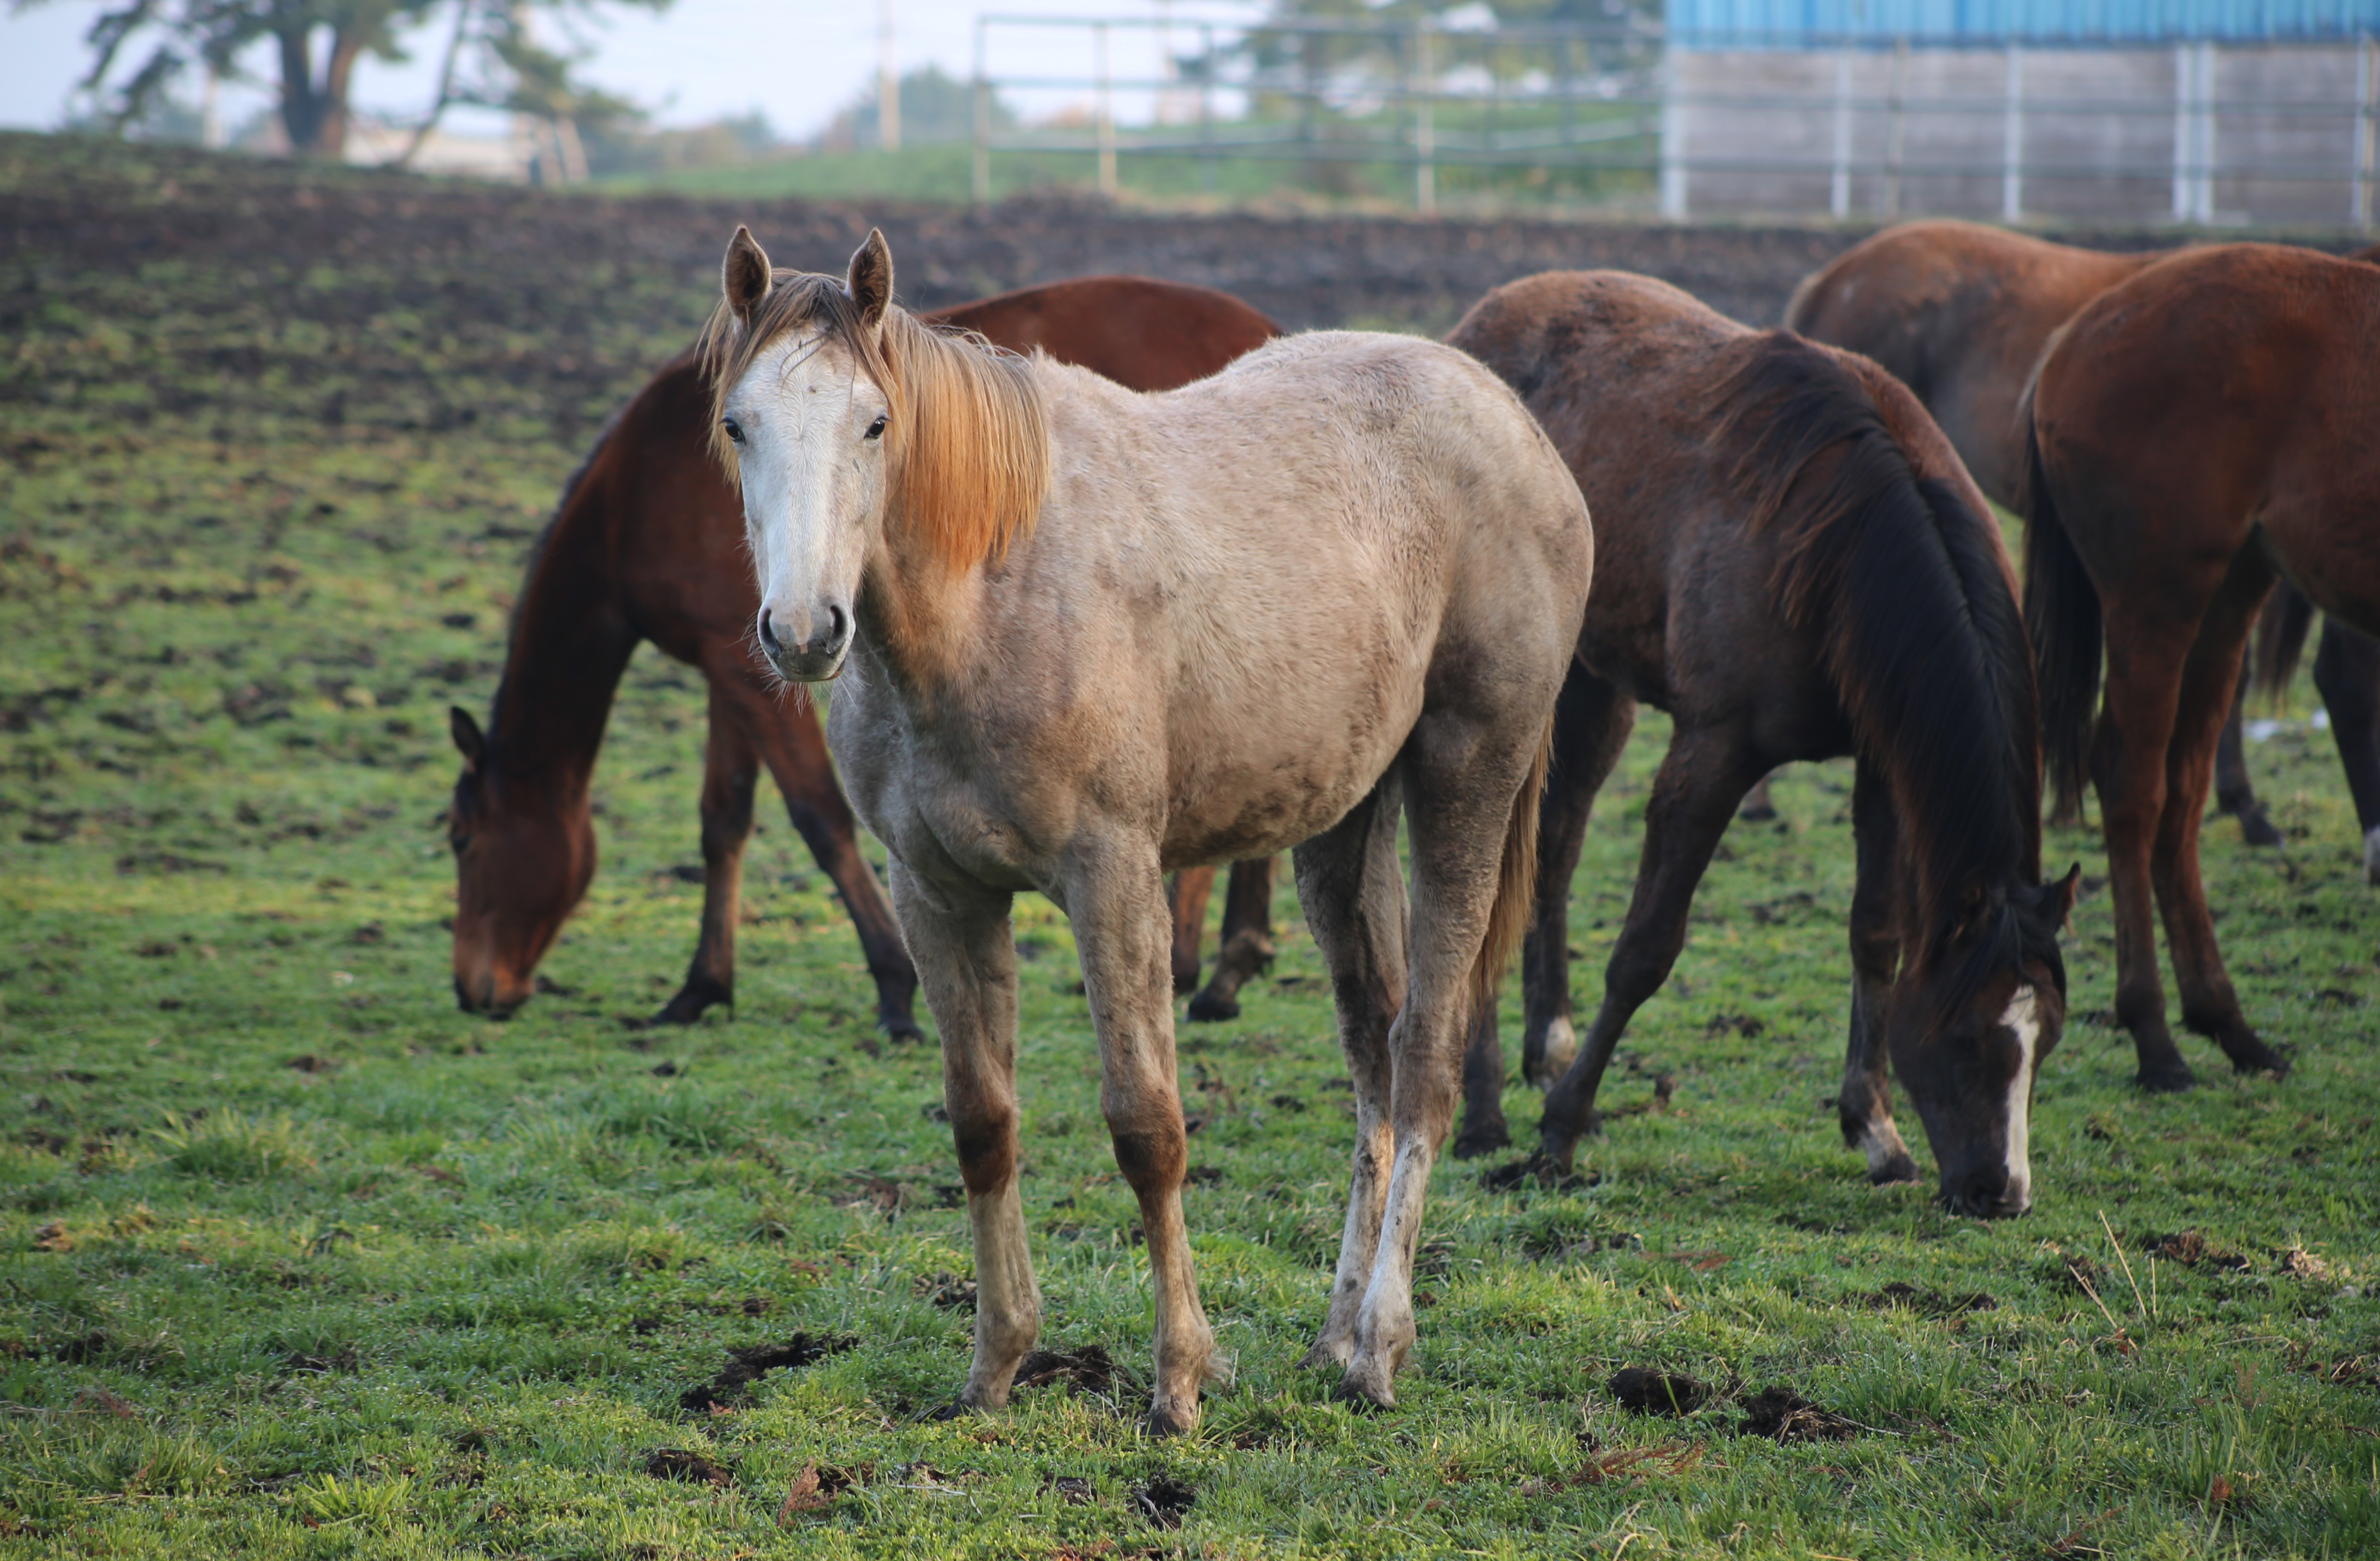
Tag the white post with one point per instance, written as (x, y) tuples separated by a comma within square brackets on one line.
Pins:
[(1206, 107), (888, 81), (1107, 118), (2202, 201), (1896, 127), (982, 121), (2013, 139), (210, 131), (1674, 139), (2181, 75), (1839, 191), (2367, 86), (1425, 128)]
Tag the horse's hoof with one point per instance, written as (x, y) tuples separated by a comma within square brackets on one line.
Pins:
[(1897, 1170), (2170, 1080), (1482, 1137), (1327, 1352), (900, 1029), (1209, 1008), (954, 1410), (1366, 1387), (2254, 827), (2254, 1057), (1760, 811), (1171, 1421)]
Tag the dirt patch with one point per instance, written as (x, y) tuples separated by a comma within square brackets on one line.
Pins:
[(1073, 1490), (815, 1488), (948, 1291), (748, 1365), (1647, 1392), (1163, 1500), (321, 1364), (681, 1463), (1904, 1296), (1782, 1415), (1087, 1368), (2190, 1249)]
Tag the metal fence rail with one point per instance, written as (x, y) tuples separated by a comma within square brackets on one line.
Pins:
[(1691, 111)]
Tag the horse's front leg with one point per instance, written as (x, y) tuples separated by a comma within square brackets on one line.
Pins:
[(1865, 1104), (959, 935), (730, 769), (1115, 896)]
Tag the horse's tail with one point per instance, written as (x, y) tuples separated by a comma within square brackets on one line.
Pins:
[(2280, 638), (1516, 881), (2061, 617)]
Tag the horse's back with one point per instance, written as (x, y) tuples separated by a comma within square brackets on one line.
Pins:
[(1959, 312), (1142, 334)]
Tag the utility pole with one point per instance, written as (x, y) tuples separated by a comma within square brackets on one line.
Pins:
[(888, 80)]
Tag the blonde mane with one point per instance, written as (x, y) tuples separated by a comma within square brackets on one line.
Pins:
[(967, 443)]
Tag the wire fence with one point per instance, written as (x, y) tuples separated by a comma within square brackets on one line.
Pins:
[(1703, 124)]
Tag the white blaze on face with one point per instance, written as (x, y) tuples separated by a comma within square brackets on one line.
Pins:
[(813, 479), (2023, 1022)]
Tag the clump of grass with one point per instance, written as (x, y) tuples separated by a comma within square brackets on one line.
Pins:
[(234, 1146)]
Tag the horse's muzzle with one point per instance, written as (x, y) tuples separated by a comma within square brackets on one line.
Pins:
[(816, 659)]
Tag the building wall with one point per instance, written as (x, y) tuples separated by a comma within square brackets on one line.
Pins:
[(1755, 131)]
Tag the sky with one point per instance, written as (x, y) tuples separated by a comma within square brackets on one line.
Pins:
[(797, 61)]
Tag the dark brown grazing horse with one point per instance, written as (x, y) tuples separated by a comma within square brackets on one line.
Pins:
[(1793, 562), (1960, 313), (649, 544), (2197, 433)]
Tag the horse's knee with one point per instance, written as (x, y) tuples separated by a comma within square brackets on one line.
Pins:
[(1151, 1155), (986, 1145)]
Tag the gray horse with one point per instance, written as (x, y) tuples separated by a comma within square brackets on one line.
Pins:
[(1087, 636)]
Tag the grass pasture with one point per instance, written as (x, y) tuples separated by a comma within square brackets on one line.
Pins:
[(297, 1261)]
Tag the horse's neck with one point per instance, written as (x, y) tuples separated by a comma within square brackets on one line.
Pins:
[(922, 619), (571, 642)]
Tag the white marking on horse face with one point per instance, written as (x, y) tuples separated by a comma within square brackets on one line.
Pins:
[(813, 480), (2024, 1022)]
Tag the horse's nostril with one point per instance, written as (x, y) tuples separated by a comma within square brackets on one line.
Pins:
[(836, 619), (767, 635)]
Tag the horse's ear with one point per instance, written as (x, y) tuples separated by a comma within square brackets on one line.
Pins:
[(2064, 891), (870, 286), (745, 274), (469, 739)]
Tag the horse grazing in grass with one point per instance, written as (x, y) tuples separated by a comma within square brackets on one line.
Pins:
[(2197, 433), (1072, 659), (1793, 562), (1960, 313), (649, 544)]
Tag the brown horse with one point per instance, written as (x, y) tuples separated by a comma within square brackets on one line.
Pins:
[(2197, 433), (649, 544), (1793, 562), (1960, 313)]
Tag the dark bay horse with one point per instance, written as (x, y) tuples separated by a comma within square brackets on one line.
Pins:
[(2197, 433), (1960, 313), (647, 544), (1084, 636), (1793, 562)]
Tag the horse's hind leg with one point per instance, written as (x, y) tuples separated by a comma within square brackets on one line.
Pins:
[(2346, 672), (1462, 787), (966, 955), (786, 732), (1185, 900), (2209, 1006), (1348, 882), (1115, 896), (1865, 1105), (1703, 776), (1247, 950), (2234, 793), (1592, 720), (730, 771)]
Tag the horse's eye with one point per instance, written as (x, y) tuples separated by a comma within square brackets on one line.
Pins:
[(735, 429), (876, 429)]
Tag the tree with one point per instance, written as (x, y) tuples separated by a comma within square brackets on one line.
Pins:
[(509, 71)]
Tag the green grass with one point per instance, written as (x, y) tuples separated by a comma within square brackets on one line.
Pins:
[(295, 1259)]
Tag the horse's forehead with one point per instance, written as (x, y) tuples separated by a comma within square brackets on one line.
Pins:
[(805, 361)]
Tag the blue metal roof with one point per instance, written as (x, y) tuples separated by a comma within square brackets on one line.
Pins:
[(1789, 24)]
